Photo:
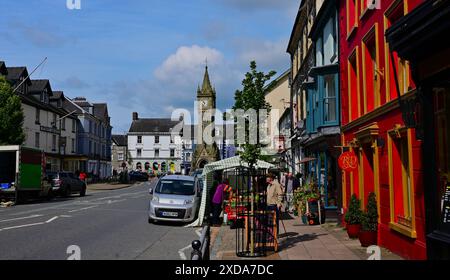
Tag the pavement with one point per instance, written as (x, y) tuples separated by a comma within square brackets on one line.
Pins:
[(300, 242), (103, 225), (108, 186)]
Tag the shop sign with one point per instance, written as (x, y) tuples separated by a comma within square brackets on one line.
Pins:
[(446, 205), (348, 161)]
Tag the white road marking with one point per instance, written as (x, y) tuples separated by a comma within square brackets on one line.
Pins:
[(81, 209), (30, 225), (51, 220), (21, 226), (181, 251), (22, 218), (182, 254)]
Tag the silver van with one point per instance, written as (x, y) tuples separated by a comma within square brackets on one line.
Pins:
[(175, 198)]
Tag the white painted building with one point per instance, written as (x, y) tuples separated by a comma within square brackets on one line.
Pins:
[(151, 146)]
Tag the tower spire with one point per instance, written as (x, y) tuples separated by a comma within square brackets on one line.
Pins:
[(206, 86)]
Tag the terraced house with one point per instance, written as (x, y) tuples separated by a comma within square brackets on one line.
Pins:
[(313, 47), (390, 162)]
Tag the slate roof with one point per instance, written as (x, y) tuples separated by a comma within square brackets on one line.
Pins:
[(152, 125), (37, 86), (57, 95), (119, 140), (14, 73)]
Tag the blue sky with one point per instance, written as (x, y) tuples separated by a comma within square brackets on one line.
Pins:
[(144, 55)]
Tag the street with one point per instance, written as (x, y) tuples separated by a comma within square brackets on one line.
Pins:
[(103, 224)]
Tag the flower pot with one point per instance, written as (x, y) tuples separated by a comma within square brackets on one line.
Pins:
[(367, 238), (353, 230), (304, 219)]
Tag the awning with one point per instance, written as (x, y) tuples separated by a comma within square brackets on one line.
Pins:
[(228, 163)]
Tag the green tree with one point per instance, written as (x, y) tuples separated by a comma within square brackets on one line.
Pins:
[(252, 96), (11, 116)]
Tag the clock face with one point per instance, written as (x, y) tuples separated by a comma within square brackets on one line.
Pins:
[(204, 103)]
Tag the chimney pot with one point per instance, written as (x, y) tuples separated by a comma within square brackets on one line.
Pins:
[(135, 116)]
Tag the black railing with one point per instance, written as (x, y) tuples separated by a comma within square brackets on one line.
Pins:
[(200, 248)]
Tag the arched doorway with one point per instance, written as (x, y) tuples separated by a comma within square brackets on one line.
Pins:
[(202, 163), (147, 166), (138, 166)]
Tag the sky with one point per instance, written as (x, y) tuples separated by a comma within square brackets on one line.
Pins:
[(146, 56)]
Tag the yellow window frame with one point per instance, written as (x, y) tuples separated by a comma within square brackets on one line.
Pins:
[(355, 54), (399, 132), (372, 32), (387, 58), (351, 30)]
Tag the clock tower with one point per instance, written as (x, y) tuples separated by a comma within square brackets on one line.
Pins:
[(206, 150)]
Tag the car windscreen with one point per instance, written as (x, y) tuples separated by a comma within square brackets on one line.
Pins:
[(177, 187)]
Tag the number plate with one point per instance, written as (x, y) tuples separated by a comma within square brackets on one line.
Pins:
[(169, 214)]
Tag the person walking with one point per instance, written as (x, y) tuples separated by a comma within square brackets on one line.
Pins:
[(83, 177), (217, 201), (274, 194), (289, 193)]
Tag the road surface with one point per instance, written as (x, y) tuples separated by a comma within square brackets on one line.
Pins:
[(103, 224)]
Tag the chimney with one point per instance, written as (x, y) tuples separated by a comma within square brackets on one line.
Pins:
[(135, 116)]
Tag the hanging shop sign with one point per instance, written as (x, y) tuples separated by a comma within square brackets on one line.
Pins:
[(348, 161)]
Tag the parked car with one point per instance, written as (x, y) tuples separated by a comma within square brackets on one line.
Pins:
[(197, 172), (138, 176), (65, 183), (175, 198)]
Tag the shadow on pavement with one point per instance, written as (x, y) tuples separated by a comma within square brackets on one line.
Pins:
[(290, 242)]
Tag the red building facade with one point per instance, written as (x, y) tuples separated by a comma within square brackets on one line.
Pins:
[(389, 154)]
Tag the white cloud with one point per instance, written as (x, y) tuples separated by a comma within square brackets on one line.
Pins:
[(187, 63), (267, 54)]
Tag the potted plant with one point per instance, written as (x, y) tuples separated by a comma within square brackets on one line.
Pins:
[(300, 205), (353, 217), (369, 223)]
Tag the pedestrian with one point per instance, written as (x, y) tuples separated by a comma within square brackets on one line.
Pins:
[(274, 194), (289, 193), (282, 181), (83, 177), (217, 202)]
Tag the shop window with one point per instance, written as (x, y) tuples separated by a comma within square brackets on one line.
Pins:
[(354, 103), (396, 11), (441, 107), (372, 73), (352, 16), (401, 181)]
